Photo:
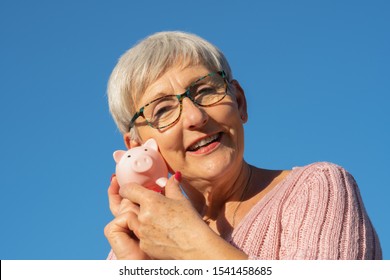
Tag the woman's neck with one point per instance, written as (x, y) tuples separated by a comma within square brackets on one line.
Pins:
[(210, 198)]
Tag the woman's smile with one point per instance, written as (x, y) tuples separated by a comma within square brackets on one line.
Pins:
[(205, 145)]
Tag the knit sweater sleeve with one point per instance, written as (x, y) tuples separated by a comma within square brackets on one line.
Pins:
[(111, 256), (324, 218)]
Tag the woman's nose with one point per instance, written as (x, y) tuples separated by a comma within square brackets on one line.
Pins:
[(193, 116)]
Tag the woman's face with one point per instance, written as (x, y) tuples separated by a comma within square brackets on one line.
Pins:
[(206, 143)]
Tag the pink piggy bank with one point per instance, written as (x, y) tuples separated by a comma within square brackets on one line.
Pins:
[(143, 165)]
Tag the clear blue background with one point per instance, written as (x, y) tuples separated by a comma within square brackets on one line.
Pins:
[(316, 75)]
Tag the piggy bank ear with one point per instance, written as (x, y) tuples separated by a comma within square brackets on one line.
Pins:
[(151, 143), (118, 155)]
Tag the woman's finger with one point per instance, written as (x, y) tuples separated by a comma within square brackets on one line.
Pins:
[(119, 234), (114, 198), (128, 206), (134, 192), (172, 188)]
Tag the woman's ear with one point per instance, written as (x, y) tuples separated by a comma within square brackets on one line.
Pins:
[(130, 143), (241, 100)]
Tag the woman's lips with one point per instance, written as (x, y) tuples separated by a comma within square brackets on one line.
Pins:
[(206, 149), (206, 144)]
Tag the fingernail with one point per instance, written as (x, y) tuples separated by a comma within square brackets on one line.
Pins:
[(112, 176), (178, 176)]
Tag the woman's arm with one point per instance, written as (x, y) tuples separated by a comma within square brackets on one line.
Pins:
[(324, 218)]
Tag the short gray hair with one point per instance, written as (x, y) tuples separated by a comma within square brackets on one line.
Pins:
[(148, 60)]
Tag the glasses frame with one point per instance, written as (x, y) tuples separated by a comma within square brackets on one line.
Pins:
[(180, 97)]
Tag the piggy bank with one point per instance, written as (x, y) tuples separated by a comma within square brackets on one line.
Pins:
[(143, 165)]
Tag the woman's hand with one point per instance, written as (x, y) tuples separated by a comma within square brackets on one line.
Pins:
[(123, 242), (116, 202), (169, 227), (165, 227)]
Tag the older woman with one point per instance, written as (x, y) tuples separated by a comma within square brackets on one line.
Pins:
[(178, 89)]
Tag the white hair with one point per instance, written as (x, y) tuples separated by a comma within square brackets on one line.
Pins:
[(148, 60)]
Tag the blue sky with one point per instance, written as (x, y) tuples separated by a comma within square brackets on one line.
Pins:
[(316, 75)]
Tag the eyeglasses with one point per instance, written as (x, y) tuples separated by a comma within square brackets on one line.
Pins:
[(165, 111)]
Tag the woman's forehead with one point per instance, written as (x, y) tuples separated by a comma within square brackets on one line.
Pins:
[(174, 80)]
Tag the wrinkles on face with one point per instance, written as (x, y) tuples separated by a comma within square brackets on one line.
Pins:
[(196, 123)]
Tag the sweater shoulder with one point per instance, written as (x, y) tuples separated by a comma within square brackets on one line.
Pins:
[(316, 168), (319, 187), (322, 173)]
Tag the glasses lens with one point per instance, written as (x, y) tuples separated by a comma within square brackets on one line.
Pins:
[(205, 92), (209, 90), (162, 112)]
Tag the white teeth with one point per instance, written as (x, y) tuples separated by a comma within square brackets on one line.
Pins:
[(204, 142)]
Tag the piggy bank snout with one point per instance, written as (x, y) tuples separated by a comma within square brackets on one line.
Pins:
[(142, 163)]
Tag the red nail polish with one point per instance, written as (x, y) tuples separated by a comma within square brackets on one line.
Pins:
[(178, 176)]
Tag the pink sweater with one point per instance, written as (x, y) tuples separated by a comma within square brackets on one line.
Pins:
[(314, 213)]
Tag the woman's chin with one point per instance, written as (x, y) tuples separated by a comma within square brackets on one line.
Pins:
[(214, 166)]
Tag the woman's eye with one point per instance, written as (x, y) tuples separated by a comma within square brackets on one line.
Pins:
[(160, 111), (164, 108), (205, 90), (205, 95)]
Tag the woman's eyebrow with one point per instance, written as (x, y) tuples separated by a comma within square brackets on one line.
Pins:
[(151, 96), (161, 93), (199, 78)]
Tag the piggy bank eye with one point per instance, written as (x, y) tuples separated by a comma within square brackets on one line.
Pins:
[(146, 150), (128, 156)]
